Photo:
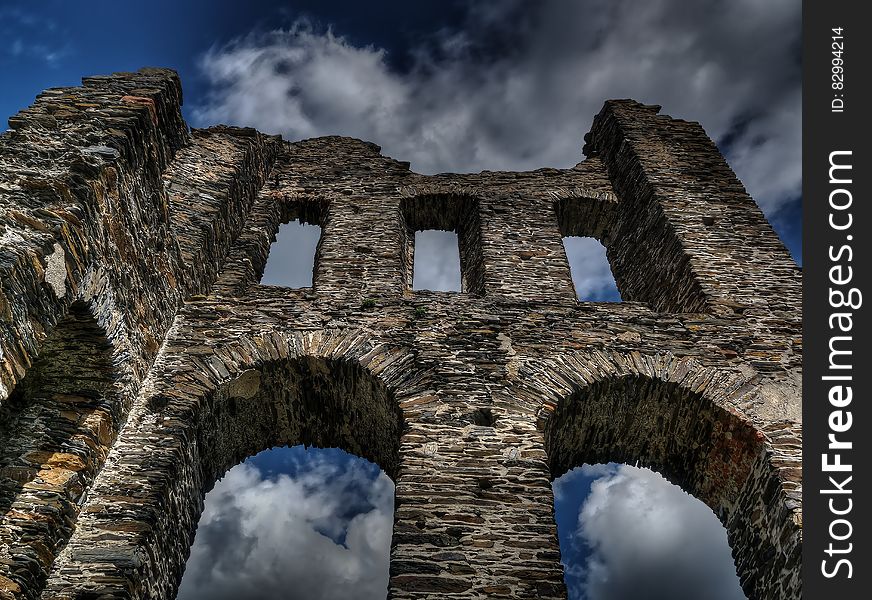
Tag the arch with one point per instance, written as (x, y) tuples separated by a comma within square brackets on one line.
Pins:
[(329, 389), (694, 443), (309, 400), (684, 420), (57, 427)]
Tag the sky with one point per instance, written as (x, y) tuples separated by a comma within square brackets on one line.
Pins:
[(295, 525), (449, 86)]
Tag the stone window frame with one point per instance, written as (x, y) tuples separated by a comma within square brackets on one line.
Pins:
[(246, 263), (307, 212), (458, 213), (588, 217)]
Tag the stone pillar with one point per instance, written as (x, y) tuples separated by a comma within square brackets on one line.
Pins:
[(474, 510), (56, 430), (684, 221), (360, 253), (212, 186), (523, 250)]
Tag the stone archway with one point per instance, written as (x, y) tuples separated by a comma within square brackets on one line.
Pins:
[(681, 419), (56, 428), (316, 388), (309, 400)]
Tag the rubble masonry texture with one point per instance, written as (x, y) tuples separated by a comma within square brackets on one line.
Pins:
[(140, 358)]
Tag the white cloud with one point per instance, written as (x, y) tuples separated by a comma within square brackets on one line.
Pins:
[(271, 538), (566, 486), (462, 109), (649, 539)]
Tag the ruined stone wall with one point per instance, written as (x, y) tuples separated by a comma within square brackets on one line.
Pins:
[(472, 402), (91, 215)]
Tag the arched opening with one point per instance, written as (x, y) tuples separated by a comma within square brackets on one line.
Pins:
[(677, 430), (315, 401), (293, 523), (56, 429), (312, 401), (626, 532)]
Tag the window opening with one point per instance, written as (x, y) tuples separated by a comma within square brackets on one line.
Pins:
[(291, 260), (591, 273), (437, 261), (294, 523), (627, 532)]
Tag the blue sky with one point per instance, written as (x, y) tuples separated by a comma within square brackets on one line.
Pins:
[(450, 86)]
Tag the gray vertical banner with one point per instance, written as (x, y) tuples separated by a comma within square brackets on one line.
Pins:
[(837, 227)]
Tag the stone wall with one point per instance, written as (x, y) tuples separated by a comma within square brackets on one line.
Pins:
[(145, 243), (92, 216)]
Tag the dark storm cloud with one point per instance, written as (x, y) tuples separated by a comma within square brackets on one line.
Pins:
[(437, 261), (292, 256)]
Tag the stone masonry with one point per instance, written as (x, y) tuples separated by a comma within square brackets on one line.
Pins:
[(140, 358)]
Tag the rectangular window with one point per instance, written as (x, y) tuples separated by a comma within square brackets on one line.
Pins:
[(437, 261), (591, 273), (291, 259), (442, 243)]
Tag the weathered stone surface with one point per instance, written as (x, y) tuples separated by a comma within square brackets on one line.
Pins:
[(140, 358)]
